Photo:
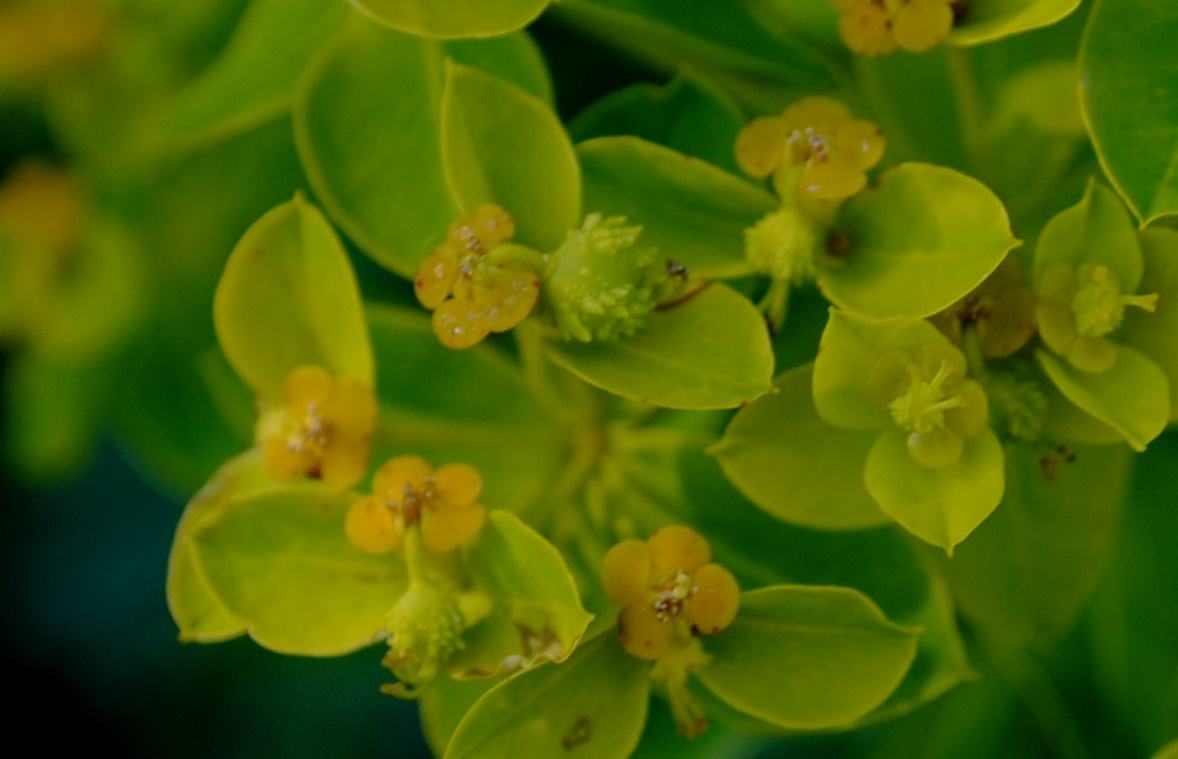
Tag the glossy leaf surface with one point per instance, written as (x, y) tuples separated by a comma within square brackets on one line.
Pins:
[(794, 465), (990, 20), (921, 239), (835, 653), (379, 170), (709, 351), (279, 561), (1128, 70), (593, 704), (536, 615), (288, 297)]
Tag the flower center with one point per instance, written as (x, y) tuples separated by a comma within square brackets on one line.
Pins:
[(310, 434), (1099, 305), (922, 408), (672, 593)]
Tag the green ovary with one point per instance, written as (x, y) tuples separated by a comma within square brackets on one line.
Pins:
[(1079, 307)]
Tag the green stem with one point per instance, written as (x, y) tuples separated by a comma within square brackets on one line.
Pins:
[(414, 558), (536, 368), (971, 345), (517, 254)]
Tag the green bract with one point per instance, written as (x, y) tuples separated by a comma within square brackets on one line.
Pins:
[(288, 297), (989, 20), (936, 466), (1088, 267), (919, 241), (1127, 94)]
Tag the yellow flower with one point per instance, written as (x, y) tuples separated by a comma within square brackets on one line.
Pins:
[(814, 149), (470, 294), (321, 430), (407, 490), (669, 589)]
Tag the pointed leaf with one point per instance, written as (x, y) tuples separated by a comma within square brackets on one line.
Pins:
[(198, 613), (1096, 230), (939, 506), (593, 704), (1128, 70), (921, 239), (502, 145), (830, 653), (793, 464), (453, 18), (254, 79), (693, 212), (1133, 397), (288, 297), (990, 20), (536, 613), (279, 561), (379, 171), (710, 351)]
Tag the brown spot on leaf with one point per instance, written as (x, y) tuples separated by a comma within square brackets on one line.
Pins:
[(580, 732)]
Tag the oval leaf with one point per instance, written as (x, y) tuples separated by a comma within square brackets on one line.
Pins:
[(453, 18), (990, 20), (791, 463), (536, 613), (710, 351), (288, 297), (1133, 397), (1029, 569), (939, 506), (1128, 69), (693, 212), (921, 239), (830, 653), (592, 705), (279, 561), (254, 79), (198, 613), (501, 145), (379, 171)]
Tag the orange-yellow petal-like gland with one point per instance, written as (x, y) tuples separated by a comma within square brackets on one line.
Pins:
[(831, 179), (715, 599), (321, 430), (865, 29), (760, 145), (445, 526), (492, 224), (644, 634), (816, 112), (371, 526), (921, 24), (678, 548), (304, 386), (459, 484), (861, 142), (625, 571), (460, 324), (400, 475), (513, 298), (443, 501), (437, 274)]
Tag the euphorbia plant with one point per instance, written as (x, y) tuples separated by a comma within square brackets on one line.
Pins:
[(734, 392)]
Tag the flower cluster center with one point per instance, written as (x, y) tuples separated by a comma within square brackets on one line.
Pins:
[(922, 408)]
